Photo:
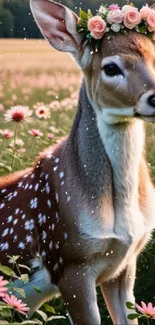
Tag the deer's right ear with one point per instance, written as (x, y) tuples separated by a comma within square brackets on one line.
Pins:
[(58, 24)]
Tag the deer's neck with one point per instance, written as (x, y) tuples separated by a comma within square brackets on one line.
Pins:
[(89, 152), (100, 146)]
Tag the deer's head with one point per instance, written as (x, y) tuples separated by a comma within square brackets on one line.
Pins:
[(120, 76)]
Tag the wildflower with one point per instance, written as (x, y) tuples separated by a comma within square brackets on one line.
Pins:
[(50, 136), (35, 133), (53, 129), (146, 310), (6, 134), (17, 114), (16, 304), (21, 150), (3, 288), (54, 105), (42, 112), (18, 143)]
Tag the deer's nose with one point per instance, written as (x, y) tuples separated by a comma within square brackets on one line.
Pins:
[(151, 100)]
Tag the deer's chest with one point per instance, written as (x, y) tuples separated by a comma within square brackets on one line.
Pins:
[(113, 248)]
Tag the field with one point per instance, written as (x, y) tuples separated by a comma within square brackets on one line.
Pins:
[(47, 82), (34, 75)]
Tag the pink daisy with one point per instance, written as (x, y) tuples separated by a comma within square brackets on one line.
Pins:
[(42, 112), (6, 134), (3, 288), (16, 304), (17, 114), (50, 136), (35, 133), (146, 310)]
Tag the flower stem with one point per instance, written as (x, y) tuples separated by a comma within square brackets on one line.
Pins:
[(14, 149), (13, 314), (2, 148), (31, 149), (148, 321)]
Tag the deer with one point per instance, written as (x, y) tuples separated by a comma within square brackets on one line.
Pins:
[(81, 216)]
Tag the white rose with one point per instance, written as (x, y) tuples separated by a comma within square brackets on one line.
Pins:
[(102, 10), (116, 27)]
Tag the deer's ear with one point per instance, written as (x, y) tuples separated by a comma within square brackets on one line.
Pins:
[(58, 24)]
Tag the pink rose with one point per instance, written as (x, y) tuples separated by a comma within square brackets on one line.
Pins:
[(114, 7), (127, 8), (115, 16), (132, 18), (145, 11), (151, 21), (97, 27)]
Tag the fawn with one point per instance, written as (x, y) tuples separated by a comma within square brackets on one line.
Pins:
[(82, 215)]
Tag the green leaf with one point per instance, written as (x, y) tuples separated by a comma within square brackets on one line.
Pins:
[(55, 317), (34, 321), (90, 15), (42, 314), (6, 270), (24, 278), (133, 316), (24, 267), (83, 15), (49, 309), (20, 291), (82, 24), (142, 28), (130, 305)]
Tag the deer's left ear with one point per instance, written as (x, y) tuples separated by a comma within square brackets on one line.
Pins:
[(58, 24)]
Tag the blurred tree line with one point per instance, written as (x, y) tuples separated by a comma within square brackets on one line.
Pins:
[(16, 19)]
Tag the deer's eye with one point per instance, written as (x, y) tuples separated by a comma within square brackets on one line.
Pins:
[(112, 70)]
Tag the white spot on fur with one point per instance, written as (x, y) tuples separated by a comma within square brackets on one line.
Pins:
[(10, 219), (49, 204), (2, 205), (21, 245), (29, 225), (36, 187), (61, 174), (4, 246), (34, 203), (5, 232)]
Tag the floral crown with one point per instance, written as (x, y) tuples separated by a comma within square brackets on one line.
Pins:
[(112, 19)]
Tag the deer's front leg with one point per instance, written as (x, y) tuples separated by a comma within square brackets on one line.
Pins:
[(79, 293), (117, 292)]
